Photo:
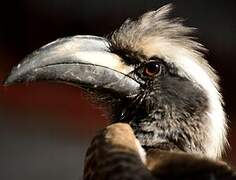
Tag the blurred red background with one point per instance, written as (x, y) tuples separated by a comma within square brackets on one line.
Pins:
[(45, 128)]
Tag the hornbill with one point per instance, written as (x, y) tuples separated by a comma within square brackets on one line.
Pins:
[(161, 94)]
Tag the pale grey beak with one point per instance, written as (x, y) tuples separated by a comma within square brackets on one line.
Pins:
[(85, 61)]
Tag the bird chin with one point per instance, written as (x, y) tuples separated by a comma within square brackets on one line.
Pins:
[(148, 141), (150, 137)]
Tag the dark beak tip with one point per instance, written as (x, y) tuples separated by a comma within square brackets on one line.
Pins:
[(11, 79), (8, 81)]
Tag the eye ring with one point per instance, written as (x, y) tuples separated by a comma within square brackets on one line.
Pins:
[(152, 68)]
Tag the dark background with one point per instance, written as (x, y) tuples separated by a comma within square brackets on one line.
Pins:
[(45, 127)]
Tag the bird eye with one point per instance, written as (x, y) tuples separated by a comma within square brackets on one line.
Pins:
[(152, 68)]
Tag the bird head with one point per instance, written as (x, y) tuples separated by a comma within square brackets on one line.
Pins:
[(151, 73)]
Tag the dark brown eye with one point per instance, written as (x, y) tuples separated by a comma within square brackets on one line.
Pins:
[(152, 68)]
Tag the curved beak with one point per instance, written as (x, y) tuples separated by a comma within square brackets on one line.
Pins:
[(85, 61)]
